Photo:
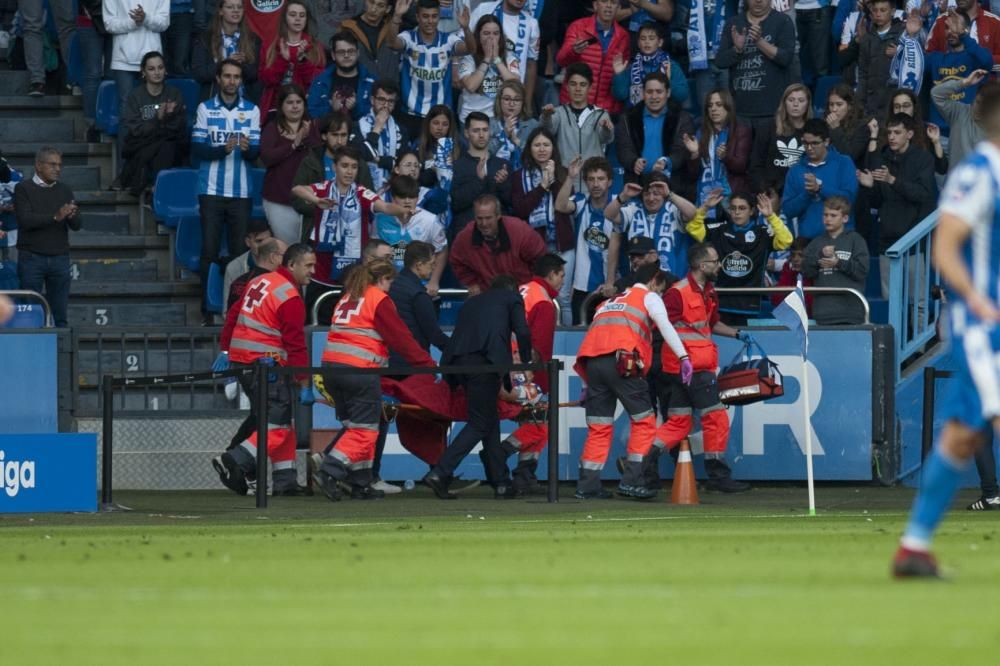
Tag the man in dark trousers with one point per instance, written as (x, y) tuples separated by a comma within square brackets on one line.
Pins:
[(46, 211), (482, 336)]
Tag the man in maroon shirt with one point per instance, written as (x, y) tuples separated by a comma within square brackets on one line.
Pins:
[(494, 246)]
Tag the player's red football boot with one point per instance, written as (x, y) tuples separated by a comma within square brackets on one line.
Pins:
[(914, 564)]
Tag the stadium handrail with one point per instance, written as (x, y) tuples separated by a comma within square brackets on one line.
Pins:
[(448, 291), (585, 306), (914, 326), (23, 293)]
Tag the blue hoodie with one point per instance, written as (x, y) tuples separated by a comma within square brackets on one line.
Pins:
[(838, 177), (318, 98), (957, 65)]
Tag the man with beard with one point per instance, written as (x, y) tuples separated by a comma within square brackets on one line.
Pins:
[(693, 309)]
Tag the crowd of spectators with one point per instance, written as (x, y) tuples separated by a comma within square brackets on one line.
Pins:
[(499, 130)]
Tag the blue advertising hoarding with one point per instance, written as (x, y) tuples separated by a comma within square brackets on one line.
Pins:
[(30, 399), (43, 473), (767, 440)]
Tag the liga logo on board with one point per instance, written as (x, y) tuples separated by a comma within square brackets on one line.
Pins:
[(48, 472)]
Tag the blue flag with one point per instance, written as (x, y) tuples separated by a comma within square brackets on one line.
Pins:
[(792, 313)]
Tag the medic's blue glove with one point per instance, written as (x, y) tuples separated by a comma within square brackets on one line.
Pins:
[(306, 396), (221, 362), (745, 337)]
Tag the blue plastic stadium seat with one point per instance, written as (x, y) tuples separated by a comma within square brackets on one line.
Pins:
[(106, 118), (214, 296), (257, 192), (823, 86), (175, 196), (187, 247), (191, 92), (27, 315)]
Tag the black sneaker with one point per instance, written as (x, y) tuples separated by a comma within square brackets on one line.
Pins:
[(504, 492), (636, 492), (36, 90), (230, 474), (727, 485), (914, 564), (293, 491), (597, 494), (439, 486), (327, 484), (366, 493), (985, 504)]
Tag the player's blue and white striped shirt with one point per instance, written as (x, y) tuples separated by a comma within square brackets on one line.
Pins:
[(215, 123), (426, 77), (972, 194)]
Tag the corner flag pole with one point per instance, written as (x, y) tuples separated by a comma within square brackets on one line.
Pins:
[(809, 439)]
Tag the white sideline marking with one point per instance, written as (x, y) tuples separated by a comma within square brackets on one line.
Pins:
[(776, 516)]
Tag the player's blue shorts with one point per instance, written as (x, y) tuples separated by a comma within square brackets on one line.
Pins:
[(973, 395)]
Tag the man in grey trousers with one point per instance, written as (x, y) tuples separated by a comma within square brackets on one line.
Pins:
[(33, 15)]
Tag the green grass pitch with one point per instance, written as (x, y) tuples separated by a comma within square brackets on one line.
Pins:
[(204, 578)]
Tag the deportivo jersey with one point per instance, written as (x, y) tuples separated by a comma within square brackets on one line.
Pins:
[(665, 228), (215, 123), (339, 232), (427, 70), (520, 31), (422, 226), (592, 240), (972, 194)]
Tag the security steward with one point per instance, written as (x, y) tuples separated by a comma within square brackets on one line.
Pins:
[(482, 336), (613, 361), (693, 305), (529, 440), (365, 326), (270, 327)]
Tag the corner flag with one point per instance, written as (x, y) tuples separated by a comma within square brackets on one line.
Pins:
[(792, 313)]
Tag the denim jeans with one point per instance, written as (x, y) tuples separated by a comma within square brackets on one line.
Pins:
[(32, 14), (95, 51), (125, 82), (218, 215), (49, 275), (177, 45), (815, 43)]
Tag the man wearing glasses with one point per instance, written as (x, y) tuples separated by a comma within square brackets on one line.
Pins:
[(379, 136), (343, 86), (822, 173), (693, 309)]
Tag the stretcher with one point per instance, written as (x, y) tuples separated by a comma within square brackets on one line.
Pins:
[(424, 409)]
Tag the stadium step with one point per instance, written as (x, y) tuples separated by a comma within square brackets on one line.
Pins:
[(178, 399), (14, 82), (100, 222), (123, 270), (21, 154), (37, 129), (18, 106), (135, 288), (146, 312)]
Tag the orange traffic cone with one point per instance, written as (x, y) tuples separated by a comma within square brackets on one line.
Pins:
[(685, 488)]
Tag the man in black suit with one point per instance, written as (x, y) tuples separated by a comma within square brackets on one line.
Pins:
[(482, 336)]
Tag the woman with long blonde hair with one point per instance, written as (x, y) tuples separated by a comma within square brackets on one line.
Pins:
[(778, 144), (365, 326)]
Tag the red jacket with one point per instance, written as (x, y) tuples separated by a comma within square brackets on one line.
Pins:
[(303, 72), (599, 60), (542, 324), (293, 316), (476, 261), (987, 34)]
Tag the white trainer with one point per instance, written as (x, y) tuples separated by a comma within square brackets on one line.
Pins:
[(386, 487)]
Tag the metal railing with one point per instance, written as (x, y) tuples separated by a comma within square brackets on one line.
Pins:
[(335, 292), (589, 301), (27, 293), (913, 313)]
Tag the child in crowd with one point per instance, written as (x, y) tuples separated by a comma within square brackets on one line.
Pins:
[(650, 57), (838, 258)]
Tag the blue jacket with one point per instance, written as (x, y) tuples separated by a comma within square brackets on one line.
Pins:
[(956, 65), (318, 98), (838, 177)]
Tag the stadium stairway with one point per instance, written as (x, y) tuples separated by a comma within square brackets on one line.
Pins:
[(121, 268)]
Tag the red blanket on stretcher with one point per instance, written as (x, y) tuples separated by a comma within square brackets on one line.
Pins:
[(424, 433)]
